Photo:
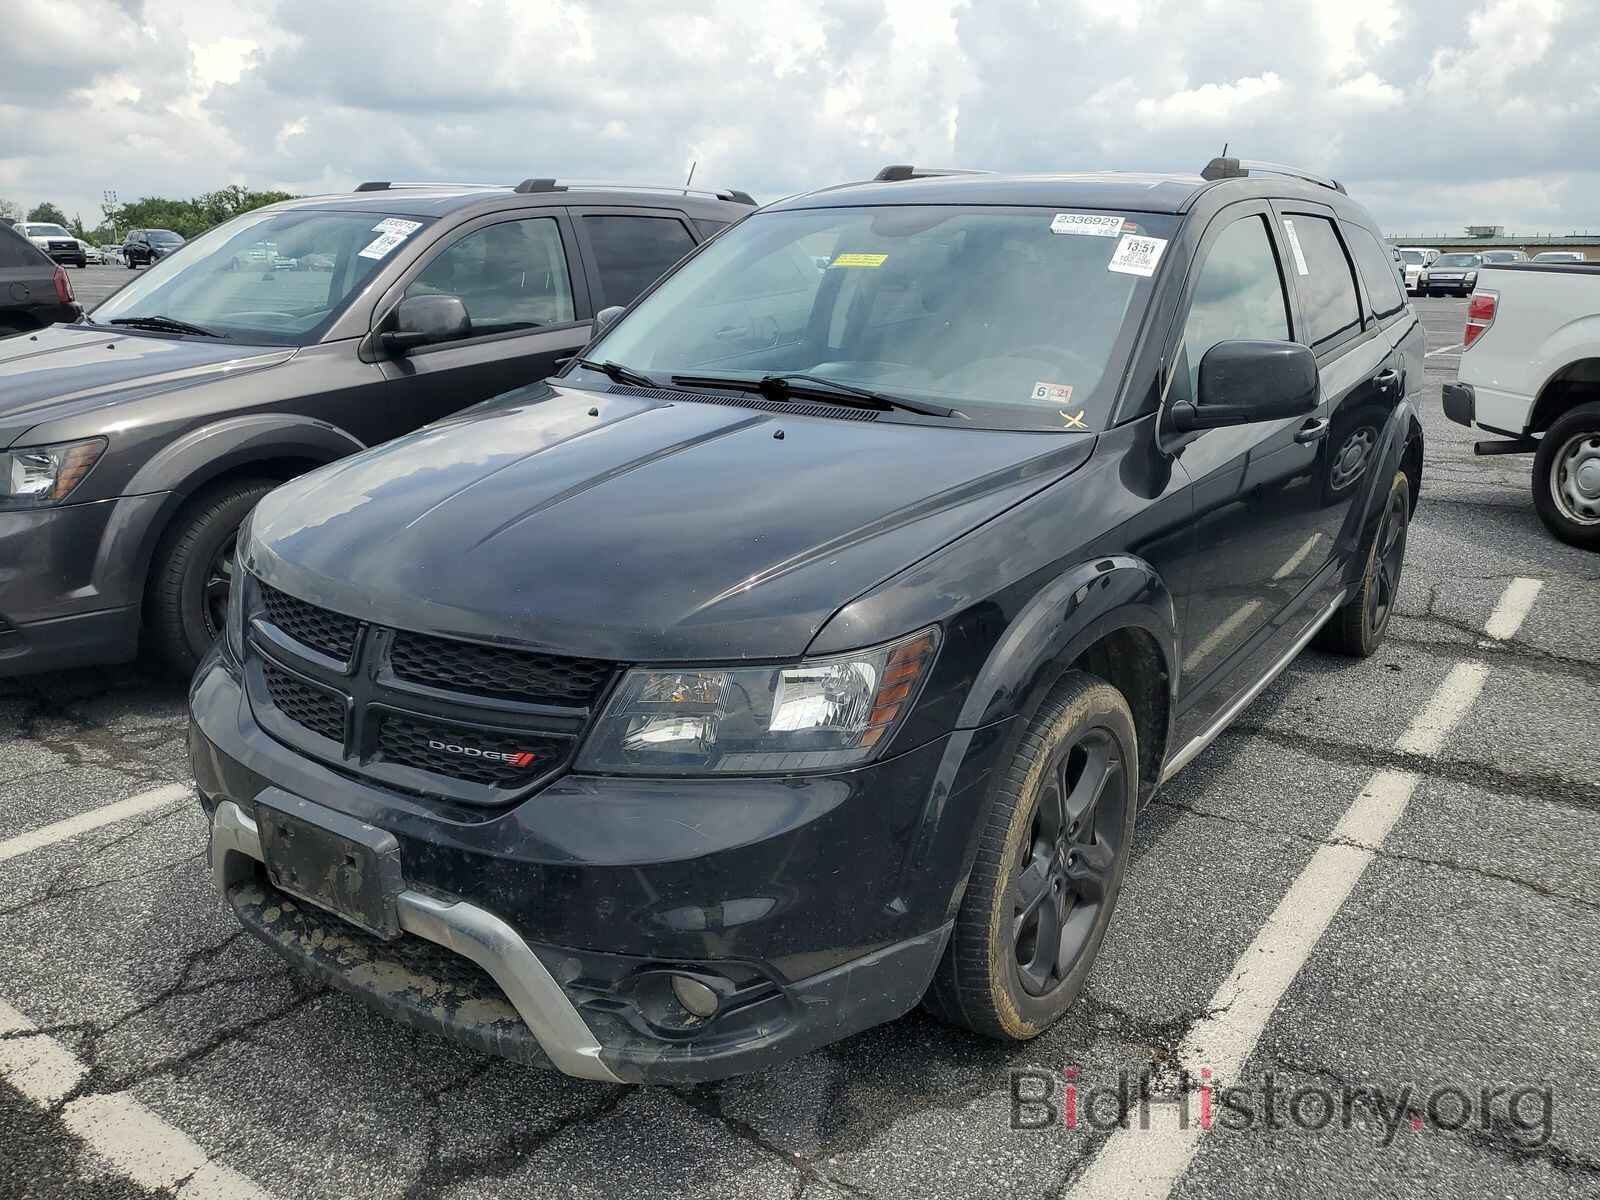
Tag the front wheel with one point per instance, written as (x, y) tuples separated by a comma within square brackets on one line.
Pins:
[(187, 604), (1357, 627), (1051, 857), (1566, 477)]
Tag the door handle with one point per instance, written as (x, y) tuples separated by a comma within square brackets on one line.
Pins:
[(1313, 430)]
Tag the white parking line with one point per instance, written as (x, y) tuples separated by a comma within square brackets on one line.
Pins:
[(71, 827), (123, 1132), (1146, 1163), (1515, 604), (1445, 350)]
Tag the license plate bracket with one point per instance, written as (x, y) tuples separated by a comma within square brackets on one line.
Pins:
[(334, 861)]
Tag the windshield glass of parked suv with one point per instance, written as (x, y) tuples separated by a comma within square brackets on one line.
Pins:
[(48, 231), (1019, 318), (1455, 260), (225, 282), (1412, 256)]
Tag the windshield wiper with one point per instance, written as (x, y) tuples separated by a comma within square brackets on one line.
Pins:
[(166, 325), (790, 384), (618, 373)]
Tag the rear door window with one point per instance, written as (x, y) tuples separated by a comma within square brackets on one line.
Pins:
[(16, 250), (631, 253), (1324, 280), (1378, 271)]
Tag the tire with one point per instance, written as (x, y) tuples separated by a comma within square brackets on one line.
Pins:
[(181, 623), (1566, 477), (1080, 748), (1357, 626)]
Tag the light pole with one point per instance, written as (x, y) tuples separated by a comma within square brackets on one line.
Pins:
[(108, 209)]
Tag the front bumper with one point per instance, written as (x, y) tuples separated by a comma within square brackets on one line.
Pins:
[(817, 906), (70, 584)]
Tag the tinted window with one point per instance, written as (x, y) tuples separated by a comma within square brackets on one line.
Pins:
[(632, 252), (1239, 294), (16, 250), (1322, 274), (1377, 270), (708, 227), (510, 276)]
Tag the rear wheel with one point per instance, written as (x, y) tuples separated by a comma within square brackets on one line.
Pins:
[(187, 604), (1358, 626), (1051, 858), (1566, 477)]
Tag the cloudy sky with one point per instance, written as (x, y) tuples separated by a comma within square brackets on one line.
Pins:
[(1435, 112)]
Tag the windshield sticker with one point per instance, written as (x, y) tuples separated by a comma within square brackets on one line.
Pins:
[(1074, 420), (395, 225), (860, 260), (1045, 392), (1093, 224), (1294, 245), (380, 246), (1137, 255)]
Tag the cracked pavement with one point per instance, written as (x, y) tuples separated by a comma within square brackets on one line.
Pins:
[(1467, 954)]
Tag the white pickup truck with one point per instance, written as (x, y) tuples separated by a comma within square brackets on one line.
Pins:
[(1530, 374)]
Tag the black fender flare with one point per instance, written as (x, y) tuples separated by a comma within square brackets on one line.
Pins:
[(1403, 440), (208, 452)]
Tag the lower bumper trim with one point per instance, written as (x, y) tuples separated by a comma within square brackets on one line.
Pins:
[(1460, 403), (469, 931)]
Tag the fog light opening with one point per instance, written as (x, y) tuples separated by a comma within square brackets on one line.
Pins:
[(696, 997)]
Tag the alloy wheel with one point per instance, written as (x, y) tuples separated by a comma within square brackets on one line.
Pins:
[(1066, 866), (218, 583), (1387, 560)]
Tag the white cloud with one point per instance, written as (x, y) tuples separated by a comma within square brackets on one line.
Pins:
[(1436, 112)]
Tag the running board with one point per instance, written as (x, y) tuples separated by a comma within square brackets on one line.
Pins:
[(1238, 704)]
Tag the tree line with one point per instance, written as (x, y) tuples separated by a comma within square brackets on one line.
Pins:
[(186, 217)]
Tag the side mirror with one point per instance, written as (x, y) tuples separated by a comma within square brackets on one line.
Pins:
[(605, 316), (423, 320), (1242, 382)]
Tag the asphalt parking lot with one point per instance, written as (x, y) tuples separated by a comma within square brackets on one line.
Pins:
[(1377, 892), (93, 284)]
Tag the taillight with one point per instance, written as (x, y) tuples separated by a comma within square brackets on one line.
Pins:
[(63, 286), (1480, 315)]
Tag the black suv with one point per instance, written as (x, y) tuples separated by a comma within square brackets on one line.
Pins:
[(809, 647), (132, 443), (34, 289), (146, 247)]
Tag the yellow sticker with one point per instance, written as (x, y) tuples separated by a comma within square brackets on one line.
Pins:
[(859, 260)]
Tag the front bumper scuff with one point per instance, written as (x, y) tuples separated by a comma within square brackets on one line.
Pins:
[(457, 926)]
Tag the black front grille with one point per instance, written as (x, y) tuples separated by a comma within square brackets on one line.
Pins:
[(330, 633), (408, 742), (496, 672), (319, 710)]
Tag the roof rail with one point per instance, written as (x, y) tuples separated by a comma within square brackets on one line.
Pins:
[(384, 185), (896, 172), (1241, 168), (554, 185)]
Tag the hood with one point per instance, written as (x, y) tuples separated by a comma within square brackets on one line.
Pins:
[(67, 370), (633, 529)]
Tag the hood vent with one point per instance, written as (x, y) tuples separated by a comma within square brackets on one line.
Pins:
[(792, 408)]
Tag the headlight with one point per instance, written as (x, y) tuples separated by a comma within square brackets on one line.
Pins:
[(45, 474), (1470, 277), (819, 714)]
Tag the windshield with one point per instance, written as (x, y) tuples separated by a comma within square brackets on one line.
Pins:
[(1018, 318), (1414, 257), (1456, 260), (47, 231), (1558, 256), (227, 281), (1499, 256)]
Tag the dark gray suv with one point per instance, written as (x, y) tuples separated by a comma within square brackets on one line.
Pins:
[(133, 442)]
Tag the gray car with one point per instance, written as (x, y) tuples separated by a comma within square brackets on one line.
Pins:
[(132, 443)]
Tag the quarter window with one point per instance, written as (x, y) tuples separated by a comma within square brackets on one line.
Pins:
[(510, 276), (633, 252), (1378, 271), (1327, 288), (1239, 294)]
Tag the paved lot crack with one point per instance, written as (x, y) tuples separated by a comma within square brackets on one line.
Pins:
[(1528, 785), (57, 890), (1448, 864)]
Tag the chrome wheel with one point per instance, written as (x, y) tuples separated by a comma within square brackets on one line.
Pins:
[(1575, 479), (1064, 875)]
